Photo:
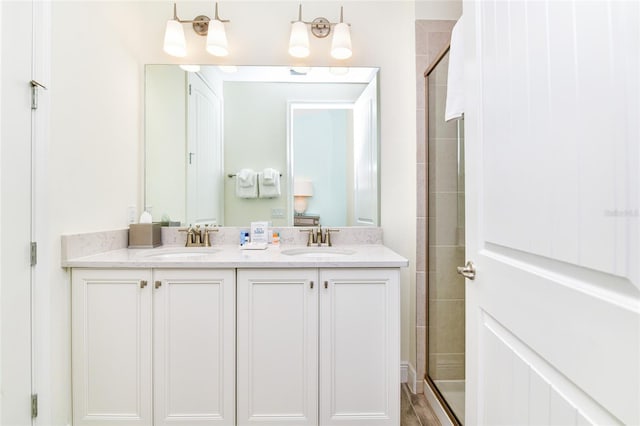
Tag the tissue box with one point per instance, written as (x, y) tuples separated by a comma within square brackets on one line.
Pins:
[(145, 235)]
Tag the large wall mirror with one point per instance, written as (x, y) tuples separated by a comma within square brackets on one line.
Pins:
[(231, 145)]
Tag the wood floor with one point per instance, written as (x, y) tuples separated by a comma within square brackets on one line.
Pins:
[(415, 410)]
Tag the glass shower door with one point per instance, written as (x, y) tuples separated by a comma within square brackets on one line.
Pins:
[(445, 293)]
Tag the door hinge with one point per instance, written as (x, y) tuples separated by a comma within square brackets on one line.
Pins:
[(189, 89), (34, 253), (34, 93), (34, 405)]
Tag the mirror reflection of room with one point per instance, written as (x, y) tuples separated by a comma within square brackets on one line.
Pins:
[(208, 132)]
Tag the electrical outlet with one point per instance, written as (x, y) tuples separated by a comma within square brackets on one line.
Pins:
[(277, 213)]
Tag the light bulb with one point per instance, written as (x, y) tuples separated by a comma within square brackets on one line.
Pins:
[(217, 39), (299, 40), (341, 43), (174, 41)]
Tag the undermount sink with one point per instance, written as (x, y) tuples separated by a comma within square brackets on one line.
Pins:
[(179, 253), (318, 252)]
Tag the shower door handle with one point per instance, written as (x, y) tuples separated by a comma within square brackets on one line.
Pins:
[(468, 270)]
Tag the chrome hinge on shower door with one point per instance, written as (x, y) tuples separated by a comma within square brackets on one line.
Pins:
[(34, 405)]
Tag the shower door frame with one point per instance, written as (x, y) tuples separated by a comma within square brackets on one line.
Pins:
[(434, 389)]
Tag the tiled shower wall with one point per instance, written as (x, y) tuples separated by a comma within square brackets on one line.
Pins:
[(431, 38)]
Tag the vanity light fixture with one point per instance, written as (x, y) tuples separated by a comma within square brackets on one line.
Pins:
[(176, 45), (320, 28)]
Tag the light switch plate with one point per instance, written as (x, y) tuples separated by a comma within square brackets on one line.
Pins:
[(277, 213)]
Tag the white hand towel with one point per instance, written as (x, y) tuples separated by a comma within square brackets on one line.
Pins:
[(455, 83), (246, 184), (269, 183), (269, 175)]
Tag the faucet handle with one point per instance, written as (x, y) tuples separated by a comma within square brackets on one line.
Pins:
[(190, 235), (207, 231), (327, 235), (312, 237)]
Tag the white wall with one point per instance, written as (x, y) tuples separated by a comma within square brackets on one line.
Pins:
[(97, 120), (166, 141), (438, 9)]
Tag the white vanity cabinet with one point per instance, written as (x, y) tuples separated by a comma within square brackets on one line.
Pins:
[(153, 347), (318, 347)]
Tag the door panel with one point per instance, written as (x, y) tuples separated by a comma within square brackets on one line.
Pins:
[(359, 347), (111, 348), (194, 347), (277, 347), (204, 159), (365, 147), (16, 38), (552, 169)]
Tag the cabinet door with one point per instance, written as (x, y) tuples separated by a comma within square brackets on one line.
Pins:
[(359, 347), (194, 347), (111, 347), (277, 347)]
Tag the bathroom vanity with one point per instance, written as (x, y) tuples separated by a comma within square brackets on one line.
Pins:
[(222, 336)]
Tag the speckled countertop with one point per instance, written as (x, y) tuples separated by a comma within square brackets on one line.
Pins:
[(352, 256), (353, 248)]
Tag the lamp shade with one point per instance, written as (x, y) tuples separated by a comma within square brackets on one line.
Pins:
[(302, 188), (217, 39), (341, 43), (299, 40), (174, 41)]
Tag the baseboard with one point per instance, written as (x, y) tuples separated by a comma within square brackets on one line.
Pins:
[(437, 407), (408, 375)]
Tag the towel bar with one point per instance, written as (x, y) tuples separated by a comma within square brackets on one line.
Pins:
[(232, 175)]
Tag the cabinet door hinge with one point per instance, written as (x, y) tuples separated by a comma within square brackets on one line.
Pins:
[(189, 89), (34, 93), (34, 253), (34, 405)]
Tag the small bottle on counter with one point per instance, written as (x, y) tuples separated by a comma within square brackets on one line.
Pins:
[(275, 239), (245, 238)]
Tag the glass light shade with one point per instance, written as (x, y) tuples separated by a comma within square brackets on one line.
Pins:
[(299, 40), (341, 43), (174, 41), (217, 39), (299, 204)]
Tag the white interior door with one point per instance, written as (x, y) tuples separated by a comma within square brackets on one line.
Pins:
[(16, 38), (553, 181), (204, 156), (365, 153)]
